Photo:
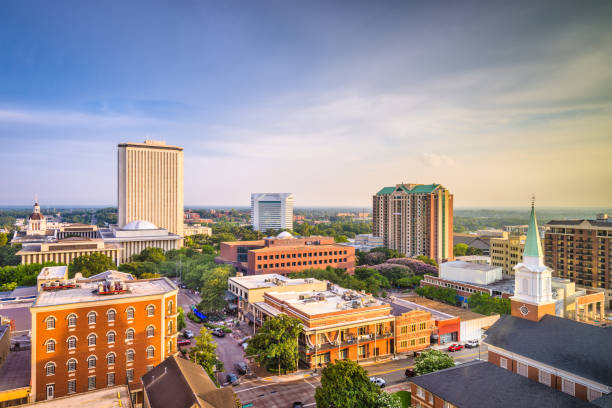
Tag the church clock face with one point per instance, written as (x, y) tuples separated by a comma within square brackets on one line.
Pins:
[(524, 310)]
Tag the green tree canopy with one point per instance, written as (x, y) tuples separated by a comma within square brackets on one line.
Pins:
[(204, 353), (345, 384), (275, 346), (214, 286), (446, 295), (180, 320), (386, 400), (460, 249), (427, 260), (484, 304), (8, 255), (432, 360), (91, 264), (155, 255), (3, 239), (139, 269)]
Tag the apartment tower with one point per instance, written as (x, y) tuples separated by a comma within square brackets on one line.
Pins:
[(151, 184), (415, 219), (272, 211)]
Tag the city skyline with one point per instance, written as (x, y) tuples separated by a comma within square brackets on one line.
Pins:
[(493, 101)]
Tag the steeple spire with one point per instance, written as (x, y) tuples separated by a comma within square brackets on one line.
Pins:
[(533, 254)]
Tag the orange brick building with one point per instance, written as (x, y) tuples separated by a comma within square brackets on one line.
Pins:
[(285, 254), (94, 336), (344, 324)]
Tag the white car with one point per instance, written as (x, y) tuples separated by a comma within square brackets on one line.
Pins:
[(245, 345), (378, 381), (472, 344)]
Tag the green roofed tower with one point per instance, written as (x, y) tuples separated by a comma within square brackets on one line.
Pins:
[(533, 253), (415, 219)]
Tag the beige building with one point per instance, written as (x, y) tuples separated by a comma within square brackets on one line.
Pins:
[(189, 230), (65, 250), (50, 274), (507, 252), (150, 180)]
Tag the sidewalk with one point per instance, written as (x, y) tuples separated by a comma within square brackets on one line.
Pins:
[(300, 375)]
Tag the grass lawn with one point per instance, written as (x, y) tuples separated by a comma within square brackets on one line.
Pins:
[(405, 397)]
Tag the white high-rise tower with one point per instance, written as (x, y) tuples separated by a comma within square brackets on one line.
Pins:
[(272, 211)]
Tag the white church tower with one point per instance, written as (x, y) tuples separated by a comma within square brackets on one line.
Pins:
[(532, 286)]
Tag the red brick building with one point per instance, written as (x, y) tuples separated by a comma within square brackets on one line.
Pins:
[(285, 254), (93, 335)]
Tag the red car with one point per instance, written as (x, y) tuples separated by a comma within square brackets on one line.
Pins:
[(455, 347), (184, 342)]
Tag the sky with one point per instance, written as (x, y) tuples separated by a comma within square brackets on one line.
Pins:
[(330, 100)]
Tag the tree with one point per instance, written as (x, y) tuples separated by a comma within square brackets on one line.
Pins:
[(8, 255), (345, 384), (3, 239), (91, 264), (386, 400), (484, 304), (427, 260), (180, 320), (473, 251), (446, 295), (150, 254), (460, 249), (341, 238), (432, 360), (214, 285), (140, 269), (148, 275), (275, 346), (204, 353)]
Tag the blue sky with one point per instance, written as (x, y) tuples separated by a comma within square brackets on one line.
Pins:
[(329, 100)]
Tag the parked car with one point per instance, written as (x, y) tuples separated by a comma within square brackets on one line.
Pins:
[(188, 334), (298, 404), (455, 347), (218, 332), (241, 368), (232, 379), (378, 381), (245, 345), (244, 339), (409, 372), (472, 344), (184, 342)]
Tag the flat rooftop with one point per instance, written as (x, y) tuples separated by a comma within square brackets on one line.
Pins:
[(86, 292), (270, 280), (470, 266), (328, 301), (260, 242), (113, 397), (463, 314), (53, 272), (319, 247), (15, 372)]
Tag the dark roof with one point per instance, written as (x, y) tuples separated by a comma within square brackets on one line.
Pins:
[(481, 384), (471, 240), (578, 348), (15, 372), (594, 223), (603, 402), (179, 383), (37, 216)]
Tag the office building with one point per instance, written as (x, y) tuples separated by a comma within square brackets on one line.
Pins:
[(189, 230), (507, 252), (470, 272), (366, 242), (138, 235), (581, 250), (150, 185), (272, 211), (65, 250), (284, 254), (343, 324), (415, 219), (90, 334)]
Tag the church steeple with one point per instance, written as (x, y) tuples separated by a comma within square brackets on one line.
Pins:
[(533, 254)]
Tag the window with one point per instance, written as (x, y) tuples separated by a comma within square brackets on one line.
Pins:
[(129, 355), (413, 342), (91, 318), (403, 329), (91, 362), (129, 334), (448, 405), (522, 369), (71, 343), (422, 340), (91, 340), (91, 382), (130, 374), (110, 379), (503, 362), (362, 330), (130, 312), (568, 387), (413, 327), (150, 352), (72, 365), (110, 358), (422, 326), (71, 386), (403, 344), (110, 337), (50, 322), (50, 346), (110, 315), (72, 318), (150, 331), (343, 354), (150, 310), (50, 368), (170, 327), (361, 351), (170, 307), (170, 346), (420, 393)]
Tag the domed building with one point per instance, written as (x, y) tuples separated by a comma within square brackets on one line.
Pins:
[(37, 222)]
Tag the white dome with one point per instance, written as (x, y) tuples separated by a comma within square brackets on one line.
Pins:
[(140, 225), (284, 235)]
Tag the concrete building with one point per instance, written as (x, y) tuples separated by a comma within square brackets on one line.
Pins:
[(507, 252), (77, 230), (477, 259), (189, 230), (366, 242), (135, 236), (284, 254), (150, 184), (51, 274), (415, 219), (470, 272), (65, 250), (88, 335), (272, 211), (343, 324), (581, 251)]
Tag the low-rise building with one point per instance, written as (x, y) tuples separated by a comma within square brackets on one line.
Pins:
[(88, 335), (77, 230), (473, 241), (111, 397), (189, 230), (507, 252), (51, 274), (285, 254), (366, 242), (470, 272), (15, 387), (65, 250), (477, 259)]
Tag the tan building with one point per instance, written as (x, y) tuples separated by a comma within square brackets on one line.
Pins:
[(189, 230), (415, 219), (507, 252), (88, 335), (65, 250), (77, 230), (51, 274), (150, 180)]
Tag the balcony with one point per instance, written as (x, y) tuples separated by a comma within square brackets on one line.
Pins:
[(351, 340)]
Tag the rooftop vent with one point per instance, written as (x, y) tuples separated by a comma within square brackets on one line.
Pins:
[(58, 285), (111, 287)]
